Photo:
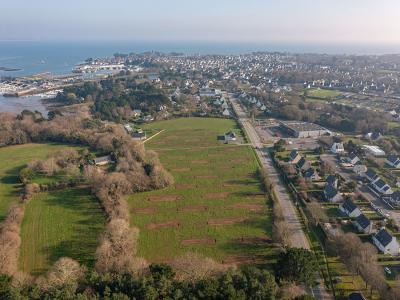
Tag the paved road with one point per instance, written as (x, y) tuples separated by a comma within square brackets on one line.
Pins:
[(297, 237)]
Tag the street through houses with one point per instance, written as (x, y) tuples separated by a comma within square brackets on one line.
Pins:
[(297, 236)]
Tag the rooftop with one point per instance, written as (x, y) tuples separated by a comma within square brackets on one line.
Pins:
[(302, 126)]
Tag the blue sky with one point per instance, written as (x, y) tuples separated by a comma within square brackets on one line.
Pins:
[(322, 21)]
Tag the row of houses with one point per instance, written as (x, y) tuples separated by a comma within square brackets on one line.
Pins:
[(382, 239), (377, 183), (303, 166)]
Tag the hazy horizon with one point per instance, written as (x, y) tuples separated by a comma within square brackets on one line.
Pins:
[(356, 22)]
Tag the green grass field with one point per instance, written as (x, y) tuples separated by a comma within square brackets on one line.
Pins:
[(57, 224), (323, 93), (12, 160), (216, 207)]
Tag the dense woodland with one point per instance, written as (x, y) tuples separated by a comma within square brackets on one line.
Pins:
[(192, 277), (115, 99)]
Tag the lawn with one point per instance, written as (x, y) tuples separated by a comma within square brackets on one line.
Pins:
[(57, 224), (12, 160), (323, 93), (216, 207)]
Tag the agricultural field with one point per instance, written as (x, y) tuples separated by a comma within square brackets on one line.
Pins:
[(57, 224), (217, 206), (12, 160)]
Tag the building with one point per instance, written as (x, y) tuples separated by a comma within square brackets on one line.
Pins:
[(303, 165), (349, 209), (393, 161), (331, 194), (226, 113), (337, 148), (311, 175), (332, 180), (294, 157), (371, 175), (382, 187), (386, 243), (230, 136), (393, 199), (373, 150), (139, 135), (353, 159), (363, 224), (373, 136), (303, 129), (137, 112), (103, 160), (128, 128)]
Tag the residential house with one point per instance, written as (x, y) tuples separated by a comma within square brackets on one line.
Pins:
[(148, 118), (226, 113), (363, 224), (331, 194), (382, 187), (137, 112), (303, 165), (385, 242), (393, 161), (128, 128), (225, 105), (349, 208), (294, 157), (337, 148), (230, 136), (332, 180), (371, 175), (139, 135), (393, 198), (103, 160), (353, 159), (373, 136), (311, 175)]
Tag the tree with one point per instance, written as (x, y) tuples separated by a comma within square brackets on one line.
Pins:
[(297, 265), (317, 212)]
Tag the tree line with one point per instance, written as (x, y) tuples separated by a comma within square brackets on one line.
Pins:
[(190, 277)]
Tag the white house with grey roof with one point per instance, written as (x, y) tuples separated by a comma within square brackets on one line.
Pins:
[(393, 198), (350, 209), (294, 157), (371, 176), (303, 164), (363, 224), (337, 148), (382, 187), (353, 159), (311, 174), (103, 160), (332, 180), (393, 161), (385, 242), (331, 194)]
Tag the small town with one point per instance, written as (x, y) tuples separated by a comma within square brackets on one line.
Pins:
[(200, 150)]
